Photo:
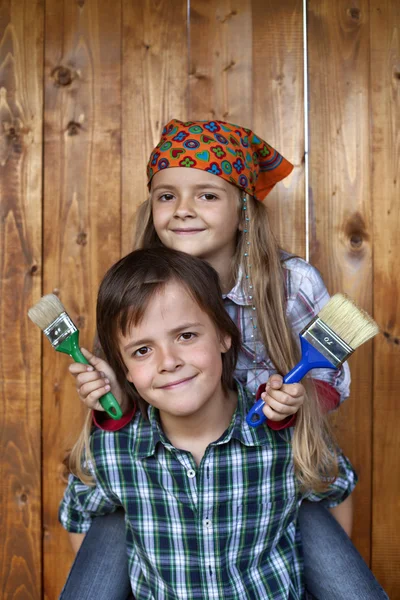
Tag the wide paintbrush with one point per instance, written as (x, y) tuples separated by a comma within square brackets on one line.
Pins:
[(326, 342), (49, 314)]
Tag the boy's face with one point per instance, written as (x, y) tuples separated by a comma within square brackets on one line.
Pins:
[(195, 212), (173, 355)]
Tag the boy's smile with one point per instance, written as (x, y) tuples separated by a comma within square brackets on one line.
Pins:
[(173, 358)]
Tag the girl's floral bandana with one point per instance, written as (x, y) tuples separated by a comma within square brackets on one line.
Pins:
[(234, 153)]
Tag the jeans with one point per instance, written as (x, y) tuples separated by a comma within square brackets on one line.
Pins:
[(334, 570)]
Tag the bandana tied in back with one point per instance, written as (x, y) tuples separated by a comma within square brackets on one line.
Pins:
[(234, 153)]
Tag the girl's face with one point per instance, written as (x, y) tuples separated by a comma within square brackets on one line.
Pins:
[(196, 212), (173, 356)]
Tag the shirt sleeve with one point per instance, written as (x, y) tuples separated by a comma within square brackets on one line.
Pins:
[(104, 422), (341, 488), (81, 503), (307, 294)]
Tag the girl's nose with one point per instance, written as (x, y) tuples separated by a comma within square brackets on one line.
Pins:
[(185, 207)]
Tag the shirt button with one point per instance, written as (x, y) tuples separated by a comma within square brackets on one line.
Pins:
[(207, 523), (191, 473)]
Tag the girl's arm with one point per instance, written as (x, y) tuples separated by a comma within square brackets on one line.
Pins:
[(76, 540), (343, 514)]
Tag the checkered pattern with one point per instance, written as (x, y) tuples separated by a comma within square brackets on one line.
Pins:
[(306, 294), (223, 530)]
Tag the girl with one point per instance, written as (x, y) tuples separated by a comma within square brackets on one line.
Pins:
[(210, 502), (207, 181)]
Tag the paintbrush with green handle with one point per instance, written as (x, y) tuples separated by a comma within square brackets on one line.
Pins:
[(49, 314)]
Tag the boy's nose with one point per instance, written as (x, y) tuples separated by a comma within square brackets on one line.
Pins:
[(169, 359)]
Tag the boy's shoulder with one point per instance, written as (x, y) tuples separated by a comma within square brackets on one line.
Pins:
[(133, 439)]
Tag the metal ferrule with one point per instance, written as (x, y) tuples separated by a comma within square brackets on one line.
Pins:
[(325, 340), (59, 330)]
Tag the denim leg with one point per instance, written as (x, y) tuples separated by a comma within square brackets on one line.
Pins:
[(333, 567), (100, 569)]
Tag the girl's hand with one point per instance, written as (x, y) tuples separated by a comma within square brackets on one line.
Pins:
[(282, 399), (95, 380)]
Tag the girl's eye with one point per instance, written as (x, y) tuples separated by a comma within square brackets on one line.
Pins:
[(187, 335), (166, 197), (209, 196), (141, 351)]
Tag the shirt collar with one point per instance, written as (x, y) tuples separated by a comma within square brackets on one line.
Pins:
[(149, 433), (237, 293), (239, 429)]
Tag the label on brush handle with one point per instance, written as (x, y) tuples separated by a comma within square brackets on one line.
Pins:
[(325, 340)]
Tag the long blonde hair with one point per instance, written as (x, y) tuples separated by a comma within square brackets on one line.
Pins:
[(314, 455)]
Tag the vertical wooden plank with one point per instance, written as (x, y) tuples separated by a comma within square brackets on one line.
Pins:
[(385, 94), (221, 61), (246, 67), (154, 90), (21, 63), (278, 109), (341, 229), (82, 228)]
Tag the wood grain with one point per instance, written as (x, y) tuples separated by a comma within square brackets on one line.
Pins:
[(21, 60), (278, 109), (155, 84), (82, 224), (385, 97), (341, 232), (220, 70)]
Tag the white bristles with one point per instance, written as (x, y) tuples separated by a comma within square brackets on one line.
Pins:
[(46, 311), (352, 324)]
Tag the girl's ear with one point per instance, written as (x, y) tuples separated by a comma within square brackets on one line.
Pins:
[(225, 343)]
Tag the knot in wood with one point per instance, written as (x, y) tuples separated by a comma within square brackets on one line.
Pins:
[(356, 241), (356, 232), (62, 75), (33, 269), (81, 238), (355, 13), (80, 3), (80, 322), (73, 128)]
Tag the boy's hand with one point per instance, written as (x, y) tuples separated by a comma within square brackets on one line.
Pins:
[(95, 380), (281, 399)]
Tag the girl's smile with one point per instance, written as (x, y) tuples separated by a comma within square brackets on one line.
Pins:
[(197, 213)]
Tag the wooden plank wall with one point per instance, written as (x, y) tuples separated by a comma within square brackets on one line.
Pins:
[(101, 78), (21, 253), (340, 205)]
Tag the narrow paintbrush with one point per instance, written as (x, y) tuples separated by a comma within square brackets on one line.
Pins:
[(49, 314), (326, 342)]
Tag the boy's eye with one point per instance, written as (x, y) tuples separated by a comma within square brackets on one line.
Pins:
[(141, 351), (187, 335)]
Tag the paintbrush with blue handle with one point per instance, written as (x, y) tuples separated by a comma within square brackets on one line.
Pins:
[(326, 342)]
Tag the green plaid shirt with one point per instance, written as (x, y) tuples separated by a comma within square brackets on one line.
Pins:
[(225, 530)]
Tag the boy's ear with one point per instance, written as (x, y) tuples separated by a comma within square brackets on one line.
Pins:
[(225, 343)]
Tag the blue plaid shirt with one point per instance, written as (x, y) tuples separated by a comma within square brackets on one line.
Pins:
[(306, 294), (223, 530)]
